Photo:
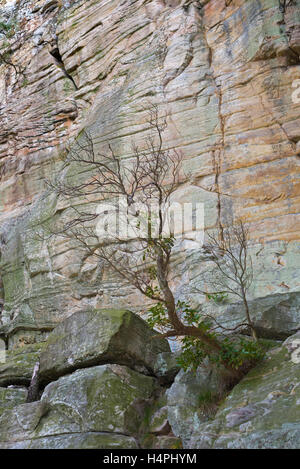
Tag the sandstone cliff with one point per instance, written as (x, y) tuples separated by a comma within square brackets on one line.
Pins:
[(226, 72)]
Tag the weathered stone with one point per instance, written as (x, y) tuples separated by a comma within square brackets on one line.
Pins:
[(19, 364), (166, 367), (185, 396), (96, 337), (11, 397), (99, 399), (263, 410), (274, 316), (19, 423), (159, 424), (94, 440)]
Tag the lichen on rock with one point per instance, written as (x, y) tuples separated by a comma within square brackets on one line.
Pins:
[(262, 411)]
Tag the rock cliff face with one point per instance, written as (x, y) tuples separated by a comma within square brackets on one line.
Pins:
[(226, 72)]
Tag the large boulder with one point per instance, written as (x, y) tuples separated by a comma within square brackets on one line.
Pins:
[(263, 410), (94, 337), (102, 400)]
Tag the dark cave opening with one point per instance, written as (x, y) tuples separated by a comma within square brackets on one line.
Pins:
[(59, 62)]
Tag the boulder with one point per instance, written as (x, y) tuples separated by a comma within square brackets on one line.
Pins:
[(275, 316), (95, 337), (166, 367), (263, 410), (99, 401), (100, 398)]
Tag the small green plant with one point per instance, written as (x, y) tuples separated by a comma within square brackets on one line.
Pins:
[(239, 353), (25, 82), (219, 297), (157, 315), (4, 27), (206, 398), (192, 355), (209, 402), (8, 29)]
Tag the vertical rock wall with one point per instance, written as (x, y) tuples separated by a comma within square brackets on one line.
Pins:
[(226, 74)]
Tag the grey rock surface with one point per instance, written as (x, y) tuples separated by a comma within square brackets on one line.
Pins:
[(95, 337)]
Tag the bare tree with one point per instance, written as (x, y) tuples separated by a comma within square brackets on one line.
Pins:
[(234, 272), (149, 177)]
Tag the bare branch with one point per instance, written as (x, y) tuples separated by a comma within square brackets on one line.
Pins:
[(234, 272)]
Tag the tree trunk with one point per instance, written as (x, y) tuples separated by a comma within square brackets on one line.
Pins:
[(181, 329), (33, 391), (253, 331), (167, 293)]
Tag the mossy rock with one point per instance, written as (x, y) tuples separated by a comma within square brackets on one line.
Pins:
[(263, 410), (98, 400), (95, 337), (11, 397), (19, 364)]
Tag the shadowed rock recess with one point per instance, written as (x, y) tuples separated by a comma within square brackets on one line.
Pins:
[(228, 75)]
